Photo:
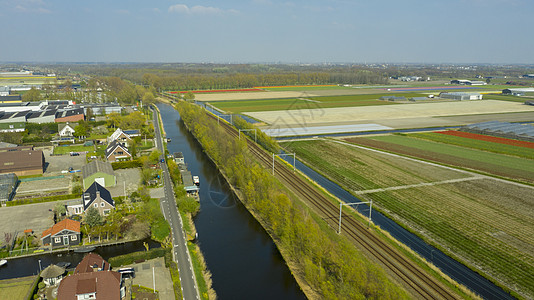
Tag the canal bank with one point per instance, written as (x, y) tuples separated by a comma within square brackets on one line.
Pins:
[(243, 260)]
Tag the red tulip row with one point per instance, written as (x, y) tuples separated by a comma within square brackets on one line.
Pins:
[(488, 138)]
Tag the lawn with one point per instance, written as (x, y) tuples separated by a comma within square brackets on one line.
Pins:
[(16, 288), (75, 148), (505, 98), (482, 222), (493, 163)]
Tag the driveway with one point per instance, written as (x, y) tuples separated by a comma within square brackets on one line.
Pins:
[(162, 276)]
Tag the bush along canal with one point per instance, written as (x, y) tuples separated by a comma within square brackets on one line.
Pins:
[(243, 260)]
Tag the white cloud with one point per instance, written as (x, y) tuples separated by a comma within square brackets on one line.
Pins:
[(30, 6), (199, 9)]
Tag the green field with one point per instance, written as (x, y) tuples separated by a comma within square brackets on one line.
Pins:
[(493, 163), (16, 288), (477, 144), (506, 98), (75, 148), (484, 223), (239, 106)]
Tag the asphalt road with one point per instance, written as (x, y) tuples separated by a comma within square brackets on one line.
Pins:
[(170, 211)]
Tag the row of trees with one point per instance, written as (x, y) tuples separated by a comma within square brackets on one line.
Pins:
[(332, 266)]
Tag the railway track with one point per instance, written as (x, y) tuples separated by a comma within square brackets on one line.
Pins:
[(420, 282)]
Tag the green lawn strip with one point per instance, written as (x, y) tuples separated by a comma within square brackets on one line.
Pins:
[(197, 266), (477, 246), (75, 148), (175, 276), (460, 152), (477, 144)]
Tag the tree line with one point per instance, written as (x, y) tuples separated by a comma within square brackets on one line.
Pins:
[(330, 264)]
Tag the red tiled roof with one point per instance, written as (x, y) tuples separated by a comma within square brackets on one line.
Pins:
[(65, 224), (106, 284), (88, 263)]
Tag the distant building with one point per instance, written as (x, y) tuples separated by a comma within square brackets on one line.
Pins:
[(4, 91), (117, 152), (105, 108), (461, 96), (13, 117), (98, 171), (8, 186), (21, 106), (42, 116), (10, 99), (63, 234), (418, 99), (70, 115), (95, 196), (518, 91), (12, 127), (477, 83), (393, 98), (21, 161)]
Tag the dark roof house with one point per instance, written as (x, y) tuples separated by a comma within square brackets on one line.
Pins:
[(21, 160)]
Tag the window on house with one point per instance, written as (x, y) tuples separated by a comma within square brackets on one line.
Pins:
[(73, 237), (11, 126), (102, 204), (106, 212), (120, 153), (57, 240), (96, 205)]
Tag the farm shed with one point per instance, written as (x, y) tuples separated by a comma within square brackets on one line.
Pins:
[(42, 116), (518, 91), (98, 171), (22, 161), (461, 96)]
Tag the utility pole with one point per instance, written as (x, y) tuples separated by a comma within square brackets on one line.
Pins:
[(255, 133), (286, 154), (354, 203)]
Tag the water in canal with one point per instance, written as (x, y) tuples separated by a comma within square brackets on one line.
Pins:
[(243, 260)]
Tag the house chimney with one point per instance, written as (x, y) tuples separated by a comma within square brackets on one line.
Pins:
[(98, 194)]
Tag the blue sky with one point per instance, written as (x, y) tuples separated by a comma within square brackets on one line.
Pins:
[(427, 31)]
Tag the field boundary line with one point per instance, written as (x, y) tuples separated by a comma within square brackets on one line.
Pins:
[(434, 164), (409, 186)]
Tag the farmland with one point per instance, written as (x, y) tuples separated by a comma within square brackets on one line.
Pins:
[(305, 102), (482, 222), (494, 163)]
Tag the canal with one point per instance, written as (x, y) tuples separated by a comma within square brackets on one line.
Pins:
[(243, 260), (29, 265)]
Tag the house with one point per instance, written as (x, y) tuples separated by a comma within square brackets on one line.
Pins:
[(98, 171), (117, 152), (52, 275), (64, 233), (120, 136), (70, 115), (92, 262), (4, 91), (22, 161), (95, 196), (92, 279), (8, 186), (66, 129)]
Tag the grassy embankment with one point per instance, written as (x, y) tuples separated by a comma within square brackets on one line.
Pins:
[(479, 222), (303, 239)]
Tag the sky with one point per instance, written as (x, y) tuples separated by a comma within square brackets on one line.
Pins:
[(268, 31)]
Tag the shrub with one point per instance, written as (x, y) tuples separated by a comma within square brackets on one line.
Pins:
[(126, 164)]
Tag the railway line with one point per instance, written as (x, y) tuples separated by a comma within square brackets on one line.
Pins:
[(420, 282)]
